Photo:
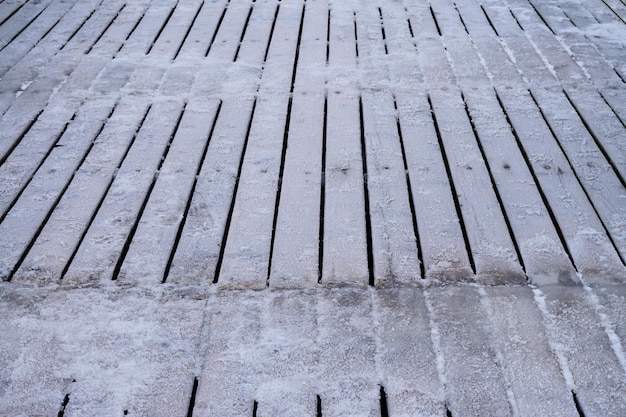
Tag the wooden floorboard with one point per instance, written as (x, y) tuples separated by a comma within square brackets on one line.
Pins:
[(312, 207)]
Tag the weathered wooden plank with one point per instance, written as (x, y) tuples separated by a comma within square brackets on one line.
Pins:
[(489, 240), (48, 185), (295, 260), (63, 231), (345, 242), (98, 254), (602, 179), (149, 252), (21, 20), (201, 33), (587, 242), (532, 372), (406, 357), (226, 41), (173, 34), (145, 33), (22, 44), (347, 353), (247, 252), (394, 241), (473, 375), (573, 326), (441, 240), (542, 252), (200, 244)]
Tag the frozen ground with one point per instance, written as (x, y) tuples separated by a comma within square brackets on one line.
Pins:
[(312, 208)]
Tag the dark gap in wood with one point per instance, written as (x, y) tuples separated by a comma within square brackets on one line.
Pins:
[(130, 34), (192, 398), (606, 230), (579, 407), (285, 143), (269, 40), (516, 20), (408, 22), (489, 21), (384, 411), (494, 186), (133, 230), (105, 29), (13, 12), (322, 194), (43, 160), (217, 28), (319, 407), (181, 225), (167, 20), (220, 257), (569, 18), (382, 30), (461, 18), (541, 17), (50, 29), (612, 109), (448, 411), (432, 13), (102, 198), (418, 244), (595, 139), (529, 165), (25, 27), (368, 220), (64, 404), (243, 32), (614, 12), (455, 196), (356, 38), (20, 137), (619, 75), (255, 408), (125, 412), (58, 198), (193, 22), (79, 27), (328, 37)]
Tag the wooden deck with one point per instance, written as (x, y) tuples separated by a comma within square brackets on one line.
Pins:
[(312, 207)]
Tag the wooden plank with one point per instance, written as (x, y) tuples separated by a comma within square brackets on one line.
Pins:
[(441, 239), (199, 247), (44, 191), (63, 231), (489, 240), (208, 21), (295, 260), (602, 179), (544, 257), (152, 244), (394, 241), (406, 357), (21, 20), (9, 8), (345, 242), (20, 46), (247, 252), (124, 25), (97, 256), (474, 380), (586, 239), (173, 34), (253, 46), (147, 30), (347, 353), (572, 326), (227, 39), (531, 370)]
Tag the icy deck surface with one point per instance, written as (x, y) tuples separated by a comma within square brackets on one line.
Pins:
[(312, 208)]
